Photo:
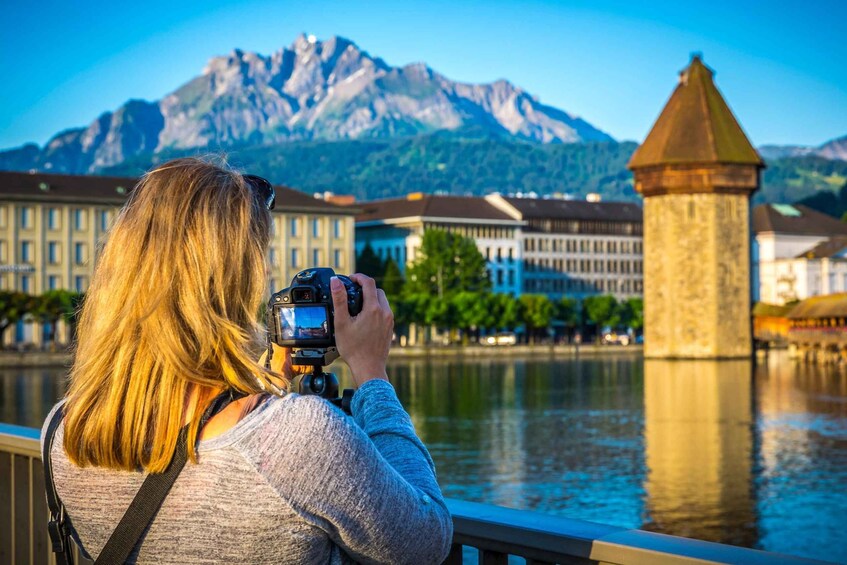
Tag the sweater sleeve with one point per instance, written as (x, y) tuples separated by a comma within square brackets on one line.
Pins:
[(369, 484)]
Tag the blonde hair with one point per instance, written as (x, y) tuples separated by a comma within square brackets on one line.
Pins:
[(171, 316)]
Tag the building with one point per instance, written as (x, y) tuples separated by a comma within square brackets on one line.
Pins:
[(51, 226), (547, 246), (800, 253), (696, 170), (578, 247), (394, 227)]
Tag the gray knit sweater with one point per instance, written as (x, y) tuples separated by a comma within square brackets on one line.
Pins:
[(295, 481)]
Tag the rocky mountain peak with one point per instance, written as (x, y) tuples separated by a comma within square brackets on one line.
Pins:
[(313, 89)]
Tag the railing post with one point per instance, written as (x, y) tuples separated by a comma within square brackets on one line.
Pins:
[(488, 557), (455, 555)]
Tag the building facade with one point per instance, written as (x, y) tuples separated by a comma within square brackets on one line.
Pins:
[(394, 228), (696, 170), (51, 227), (578, 248), (544, 246), (801, 253)]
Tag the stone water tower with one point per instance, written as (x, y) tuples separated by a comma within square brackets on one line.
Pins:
[(696, 171)]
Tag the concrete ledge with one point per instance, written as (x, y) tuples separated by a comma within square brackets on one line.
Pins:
[(35, 359)]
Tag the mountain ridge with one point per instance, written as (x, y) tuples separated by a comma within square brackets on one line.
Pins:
[(312, 90)]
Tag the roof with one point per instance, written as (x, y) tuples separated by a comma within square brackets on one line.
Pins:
[(829, 248), (765, 310), (696, 127), (114, 190), (795, 219), (826, 306), (534, 208), (432, 206)]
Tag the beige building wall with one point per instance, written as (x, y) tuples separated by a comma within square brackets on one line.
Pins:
[(54, 245), (303, 240), (696, 276)]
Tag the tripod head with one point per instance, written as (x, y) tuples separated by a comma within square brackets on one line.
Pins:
[(319, 382)]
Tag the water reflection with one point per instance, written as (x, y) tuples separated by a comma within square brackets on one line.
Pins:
[(719, 451), (27, 394), (699, 446)]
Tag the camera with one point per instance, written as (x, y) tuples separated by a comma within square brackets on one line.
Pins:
[(301, 316)]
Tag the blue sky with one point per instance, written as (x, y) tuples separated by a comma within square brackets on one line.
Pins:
[(782, 65)]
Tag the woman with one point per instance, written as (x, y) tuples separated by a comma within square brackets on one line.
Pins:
[(169, 323)]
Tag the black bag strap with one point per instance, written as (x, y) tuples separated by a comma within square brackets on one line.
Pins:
[(143, 507), (58, 526)]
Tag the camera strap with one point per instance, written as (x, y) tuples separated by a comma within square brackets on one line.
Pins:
[(140, 512)]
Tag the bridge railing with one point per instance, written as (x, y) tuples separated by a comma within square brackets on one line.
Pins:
[(495, 532)]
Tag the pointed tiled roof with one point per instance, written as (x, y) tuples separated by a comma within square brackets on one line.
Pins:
[(695, 127)]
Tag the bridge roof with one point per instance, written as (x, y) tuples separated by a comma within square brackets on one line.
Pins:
[(827, 306)]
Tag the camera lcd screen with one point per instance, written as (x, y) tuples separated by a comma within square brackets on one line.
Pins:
[(304, 323)]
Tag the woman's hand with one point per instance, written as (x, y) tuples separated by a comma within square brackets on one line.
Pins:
[(363, 341)]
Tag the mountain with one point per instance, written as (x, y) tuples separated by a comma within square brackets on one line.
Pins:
[(313, 90), (833, 149)]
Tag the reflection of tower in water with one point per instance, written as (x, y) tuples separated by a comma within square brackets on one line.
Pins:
[(699, 443)]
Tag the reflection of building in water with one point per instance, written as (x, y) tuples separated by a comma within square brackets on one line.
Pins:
[(698, 431), (696, 170)]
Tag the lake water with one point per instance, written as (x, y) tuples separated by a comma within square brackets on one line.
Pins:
[(721, 451)]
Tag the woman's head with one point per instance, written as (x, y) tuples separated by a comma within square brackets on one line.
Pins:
[(171, 314)]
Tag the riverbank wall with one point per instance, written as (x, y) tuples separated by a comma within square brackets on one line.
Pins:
[(63, 358)]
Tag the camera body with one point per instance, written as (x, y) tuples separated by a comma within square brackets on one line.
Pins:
[(302, 315)]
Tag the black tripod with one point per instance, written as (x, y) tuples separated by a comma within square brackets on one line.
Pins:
[(319, 382)]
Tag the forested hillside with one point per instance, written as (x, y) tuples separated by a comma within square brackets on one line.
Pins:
[(448, 163)]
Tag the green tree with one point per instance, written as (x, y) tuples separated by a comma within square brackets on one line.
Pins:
[(633, 313), (369, 263), (472, 311), (504, 312), (446, 264), (602, 310), (392, 280), (536, 312), (14, 306), (52, 306), (568, 311)]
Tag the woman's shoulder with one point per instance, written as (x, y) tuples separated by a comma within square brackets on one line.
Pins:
[(284, 420)]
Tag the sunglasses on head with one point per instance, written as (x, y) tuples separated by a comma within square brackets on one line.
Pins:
[(263, 189)]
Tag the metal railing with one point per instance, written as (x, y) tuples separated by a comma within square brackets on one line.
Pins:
[(496, 532)]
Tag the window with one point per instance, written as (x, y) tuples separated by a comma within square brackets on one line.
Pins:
[(26, 251), (316, 227), (295, 258), (336, 258), (316, 257), (79, 219), (272, 285), (295, 227), (52, 282), (104, 220), (53, 218), (336, 228), (26, 217), (79, 253), (272, 257), (25, 283), (80, 284), (53, 252)]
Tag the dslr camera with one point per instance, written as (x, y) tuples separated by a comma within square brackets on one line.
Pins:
[(301, 316)]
